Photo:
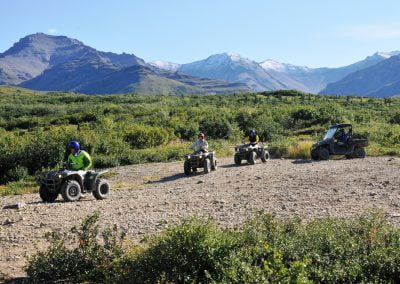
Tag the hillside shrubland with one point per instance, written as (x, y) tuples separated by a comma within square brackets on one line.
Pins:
[(128, 129)]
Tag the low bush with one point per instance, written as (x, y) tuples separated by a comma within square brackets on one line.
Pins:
[(264, 250), (91, 258)]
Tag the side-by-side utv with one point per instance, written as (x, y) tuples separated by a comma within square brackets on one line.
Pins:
[(339, 140)]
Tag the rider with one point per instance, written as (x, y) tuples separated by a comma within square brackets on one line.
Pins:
[(343, 137), (253, 138), (78, 159), (201, 145)]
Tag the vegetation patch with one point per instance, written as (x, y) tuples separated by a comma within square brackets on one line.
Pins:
[(131, 129), (264, 250)]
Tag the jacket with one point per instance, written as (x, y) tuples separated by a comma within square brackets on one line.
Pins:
[(80, 161)]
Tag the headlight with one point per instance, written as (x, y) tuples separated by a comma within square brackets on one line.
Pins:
[(60, 176), (188, 156), (200, 156)]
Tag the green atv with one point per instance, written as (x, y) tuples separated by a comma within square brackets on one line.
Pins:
[(72, 184)]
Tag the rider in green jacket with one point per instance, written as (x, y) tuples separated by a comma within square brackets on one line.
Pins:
[(78, 160)]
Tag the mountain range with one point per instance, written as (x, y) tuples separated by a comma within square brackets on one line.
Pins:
[(58, 63), (273, 75)]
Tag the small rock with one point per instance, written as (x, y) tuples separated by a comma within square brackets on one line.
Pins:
[(200, 181), (18, 205), (8, 221), (372, 193)]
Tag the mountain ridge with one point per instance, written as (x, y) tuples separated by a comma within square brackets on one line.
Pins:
[(59, 63)]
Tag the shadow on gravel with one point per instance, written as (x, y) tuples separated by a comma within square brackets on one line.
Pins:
[(172, 178), (303, 161), (233, 166)]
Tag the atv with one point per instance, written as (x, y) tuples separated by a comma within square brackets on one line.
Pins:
[(72, 184), (331, 144), (250, 153), (200, 159)]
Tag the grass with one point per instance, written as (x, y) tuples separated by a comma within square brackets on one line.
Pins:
[(300, 150), (18, 188)]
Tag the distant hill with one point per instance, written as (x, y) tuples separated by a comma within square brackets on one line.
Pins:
[(59, 63), (95, 76), (380, 80)]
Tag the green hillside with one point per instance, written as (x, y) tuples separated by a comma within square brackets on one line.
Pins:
[(126, 129)]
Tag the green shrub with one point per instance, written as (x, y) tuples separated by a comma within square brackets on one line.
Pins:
[(141, 136), (90, 259), (17, 173)]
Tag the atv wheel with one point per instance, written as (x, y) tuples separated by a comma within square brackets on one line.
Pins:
[(214, 165), (264, 156), (252, 158), (359, 152), (238, 160), (46, 195), (71, 190), (323, 154), (207, 166), (102, 190), (314, 155), (186, 168)]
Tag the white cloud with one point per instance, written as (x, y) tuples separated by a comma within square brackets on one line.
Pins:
[(370, 32), (52, 31)]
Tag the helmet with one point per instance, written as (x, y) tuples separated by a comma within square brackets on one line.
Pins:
[(252, 132), (201, 134), (74, 144)]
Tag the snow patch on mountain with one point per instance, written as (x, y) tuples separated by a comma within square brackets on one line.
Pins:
[(270, 64), (165, 65), (387, 54)]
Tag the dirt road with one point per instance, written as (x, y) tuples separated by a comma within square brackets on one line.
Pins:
[(147, 198)]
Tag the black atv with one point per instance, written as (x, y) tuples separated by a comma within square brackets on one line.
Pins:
[(250, 153), (201, 159), (71, 184), (331, 144)]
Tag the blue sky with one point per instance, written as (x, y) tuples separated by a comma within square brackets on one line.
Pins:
[(308, 32)]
